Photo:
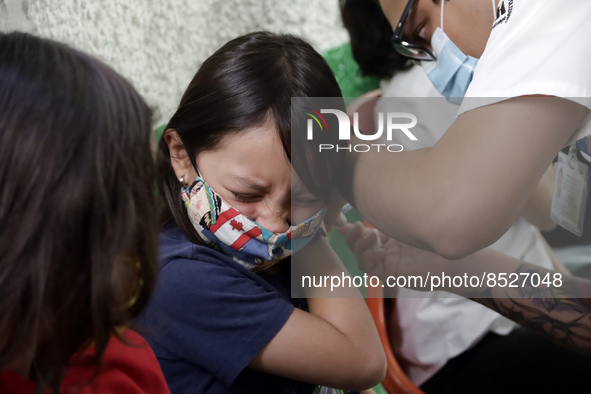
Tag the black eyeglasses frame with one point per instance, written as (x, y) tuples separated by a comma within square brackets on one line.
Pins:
[(405, 48)]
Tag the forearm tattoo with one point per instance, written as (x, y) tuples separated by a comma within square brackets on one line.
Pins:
[(563, 313)]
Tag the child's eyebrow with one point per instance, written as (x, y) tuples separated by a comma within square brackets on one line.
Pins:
[(249, 182)]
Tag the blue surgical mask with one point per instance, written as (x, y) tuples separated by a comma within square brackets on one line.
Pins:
[(452, 72)]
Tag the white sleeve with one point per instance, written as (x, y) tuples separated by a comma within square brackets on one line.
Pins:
[(535, 47)]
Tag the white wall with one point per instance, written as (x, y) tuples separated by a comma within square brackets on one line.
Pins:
[(159, 44)]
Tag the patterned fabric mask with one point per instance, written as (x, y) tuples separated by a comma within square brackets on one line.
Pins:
[(248, 243)]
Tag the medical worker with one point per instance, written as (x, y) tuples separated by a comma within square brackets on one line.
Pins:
[(527, 97)]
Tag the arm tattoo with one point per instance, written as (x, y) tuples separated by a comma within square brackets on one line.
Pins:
[(563, 313)]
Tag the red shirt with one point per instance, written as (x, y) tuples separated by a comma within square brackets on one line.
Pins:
[(125, 370)]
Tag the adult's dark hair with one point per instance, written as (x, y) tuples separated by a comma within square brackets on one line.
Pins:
[(371, 38), (249, 79), (76, 206)]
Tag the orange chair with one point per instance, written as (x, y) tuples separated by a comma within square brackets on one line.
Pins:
[(396, 380)]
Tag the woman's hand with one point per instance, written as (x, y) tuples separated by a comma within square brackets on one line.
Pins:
[(383, 256)]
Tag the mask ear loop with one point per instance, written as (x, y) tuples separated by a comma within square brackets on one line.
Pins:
[(494, 10), (442, 4)]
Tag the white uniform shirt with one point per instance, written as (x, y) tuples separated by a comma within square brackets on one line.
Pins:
[(536, 47), (431, 328)]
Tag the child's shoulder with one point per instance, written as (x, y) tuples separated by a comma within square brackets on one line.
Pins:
[(176, 247), (191, 272)]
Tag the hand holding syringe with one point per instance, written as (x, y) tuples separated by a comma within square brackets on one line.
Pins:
[(367, 235)]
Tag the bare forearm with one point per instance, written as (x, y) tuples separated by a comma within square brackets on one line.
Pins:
[(335, 343), (344, 306)]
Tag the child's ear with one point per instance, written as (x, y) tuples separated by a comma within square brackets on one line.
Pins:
[(179, 159)]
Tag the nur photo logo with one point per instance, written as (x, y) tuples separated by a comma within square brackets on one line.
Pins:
[(388, 124)]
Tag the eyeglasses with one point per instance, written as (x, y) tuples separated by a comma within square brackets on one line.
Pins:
[(413, 51)]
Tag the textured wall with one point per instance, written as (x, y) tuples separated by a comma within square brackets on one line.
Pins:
[(159, 45)]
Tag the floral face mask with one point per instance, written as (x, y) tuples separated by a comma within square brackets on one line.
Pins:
[(226, 229)]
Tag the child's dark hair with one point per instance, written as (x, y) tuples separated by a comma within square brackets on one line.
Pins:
[(248, 80), (78, 245)]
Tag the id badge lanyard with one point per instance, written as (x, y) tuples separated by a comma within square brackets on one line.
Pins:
[(570, 191)]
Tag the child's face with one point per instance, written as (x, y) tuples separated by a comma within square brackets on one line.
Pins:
[(251, 172)]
